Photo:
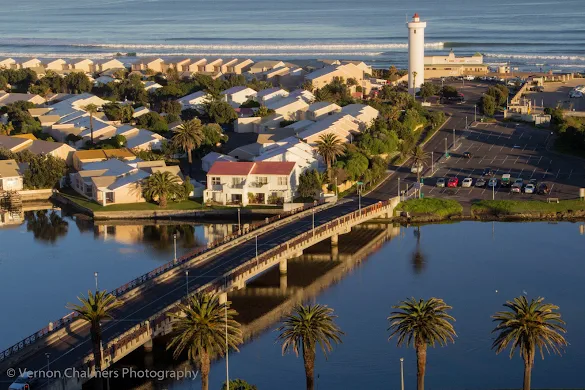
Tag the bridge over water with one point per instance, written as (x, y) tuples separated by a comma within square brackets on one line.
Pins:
[(146, 301)]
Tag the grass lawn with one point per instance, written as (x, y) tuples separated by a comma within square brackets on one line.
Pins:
[(565, 147), (431, 206), (526, 206)]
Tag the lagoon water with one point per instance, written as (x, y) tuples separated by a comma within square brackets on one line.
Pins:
[(530, 34)]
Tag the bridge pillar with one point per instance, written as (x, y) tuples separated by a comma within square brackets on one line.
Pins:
[(334, 252), (334, 240), (148, 346), (283, 282), (282, 266), (222, 298)]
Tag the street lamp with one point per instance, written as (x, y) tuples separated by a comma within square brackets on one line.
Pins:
[(446, 150), (95, 275), (475, 113), (432, 163), (399, 197), (239, 222), (187, 280), (402, 373), (256, 249), (453, 138), (359, 195), (314, 205), (175, 245)]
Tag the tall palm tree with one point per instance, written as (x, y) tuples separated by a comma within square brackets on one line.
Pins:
[(162, 186), (419, 158), (528, 326), (200, 326), (188, 136), (414, 74), (94, 309), (91, 109), (422, 323), (330, 147), (307, 327)]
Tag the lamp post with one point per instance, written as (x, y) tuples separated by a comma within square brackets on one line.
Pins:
[(402, 373), (475, 113), (493, 191), (175, 246), (453, 138), (95, 275), (399, 197), (48, 355), (432, 163), (256, 249), (359, 184), (239, 222), (187, 280), (314, 205), (227, 360), (446, 150)]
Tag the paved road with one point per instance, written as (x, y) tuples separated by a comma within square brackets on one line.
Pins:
[(69, 350)]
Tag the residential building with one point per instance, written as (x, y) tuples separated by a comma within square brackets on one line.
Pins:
[(363, 113), (324, 76), (291, 108), (103, 80), (242, 183), (227, 65), (151, 86), (9, 98), (195, 100), (7, 63), (55, 149), (451, 65), (236, 96), (103, 65), (291, 149), (360, 64), (153, 64), (303, 94), (240, 67), (81, 65), (264, 66), (83, 157), (140, 139), (210, 158), (139, 111), (31, 63), (197, 66), (213, 66), (319, 110), (343, 126), (270, 94), (57, 64), (10, 176)]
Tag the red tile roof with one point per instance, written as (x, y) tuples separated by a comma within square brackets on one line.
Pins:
[(228, 168)]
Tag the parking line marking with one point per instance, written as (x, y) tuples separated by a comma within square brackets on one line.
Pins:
[(524, 147), (530, 137), (521, 135), (502, 147), (551, 188), (570, 173), (516, 159), (520, 174), (533, 173), (558, 174), (505, 159), (539, 160)]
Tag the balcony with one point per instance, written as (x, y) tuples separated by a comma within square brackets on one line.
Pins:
[(258, 185)]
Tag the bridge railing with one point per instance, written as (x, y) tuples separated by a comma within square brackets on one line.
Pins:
[(65, 320)]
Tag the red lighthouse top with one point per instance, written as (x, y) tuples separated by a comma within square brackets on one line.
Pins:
[(415, 16)]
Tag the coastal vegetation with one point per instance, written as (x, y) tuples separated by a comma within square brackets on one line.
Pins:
[(42, 171), (536, 208), (570, 132), (307, 327), (441, 208), (206, 329)]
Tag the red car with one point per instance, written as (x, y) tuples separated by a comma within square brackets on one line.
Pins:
[(453, 182)]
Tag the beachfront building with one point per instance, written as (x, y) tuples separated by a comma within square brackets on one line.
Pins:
[(416, 53), (243, 183), (236, 96), (343, 126), (155, 64), (264, 66), (84, 65), (451, 65), (106, 64), (29, 63), (7, 63), (326, 75), (10, 176)]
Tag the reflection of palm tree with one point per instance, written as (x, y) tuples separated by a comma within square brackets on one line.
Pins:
[(418, 258), (161, 236), (46, 226)]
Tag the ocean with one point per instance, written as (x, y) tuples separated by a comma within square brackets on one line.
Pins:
[(529, 34)]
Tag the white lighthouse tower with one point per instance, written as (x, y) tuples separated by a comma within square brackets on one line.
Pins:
[(416, 53)]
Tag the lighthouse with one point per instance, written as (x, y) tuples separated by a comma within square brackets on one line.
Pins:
[(416, 53)]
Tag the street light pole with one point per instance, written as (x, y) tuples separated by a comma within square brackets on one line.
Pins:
[(399, 197), (227, 359), (256, 249), (239, 222), (360, 198), (446, 151), (95, 275), (402, 373), (475, 113), (187, 279), (432, 164), (175, 245), (314, 204), (493, 191), (453, 138)]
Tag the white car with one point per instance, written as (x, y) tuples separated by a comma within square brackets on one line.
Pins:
[(467, 182), (529, 189)]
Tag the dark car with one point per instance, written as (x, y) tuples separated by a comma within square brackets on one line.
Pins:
[(466, 154), (543, 189), (488, 172)]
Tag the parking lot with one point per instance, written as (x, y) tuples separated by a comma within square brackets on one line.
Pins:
[(520, 151), (557, 94)]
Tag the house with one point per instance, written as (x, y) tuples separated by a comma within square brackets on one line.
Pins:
[(303, 94), (31, 63), (153, 64), (227, 66), (7, 63), (9, 98), (291, 149), (101, 130), (55, 149), (342, 125), (179, 64), (197, 66), (264, 66), (213, 66), (103, 80), (195, 100), (363, 113), (140, 139), (57, 64), (242, 183), (81, 65), (210, 158), (267, 95), (151, 86), (319, 110), (139, 111), (240, 67), (103, 65), (291, 108), (360, 64), (82, 157), (10, 176), (324, 76), (59, 132), (236, 96)]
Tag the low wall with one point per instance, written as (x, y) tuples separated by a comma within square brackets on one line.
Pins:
[(29, 195), (580, 114)]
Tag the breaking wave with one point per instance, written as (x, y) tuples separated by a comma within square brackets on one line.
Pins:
[(535, 57)]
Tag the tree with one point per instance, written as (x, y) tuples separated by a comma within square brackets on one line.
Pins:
[(239, 384), (97, 307), (308, 85), (44, 171), (77, 82), (449, 91), (3, 83), (200, 327), (188, 136), (220, 112), (91, 109), (213, 135), (171, 107), (263, 111), (427, 90), (419, 158), (118, 112), (152, 121), (161, 186), (414, 74), (323, 95), (309, 184), (329, 147), (529, 326), (487, 105), (422, 323), (304, 329)]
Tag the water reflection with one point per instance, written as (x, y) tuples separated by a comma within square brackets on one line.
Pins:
[(46, 225), (418, 257)]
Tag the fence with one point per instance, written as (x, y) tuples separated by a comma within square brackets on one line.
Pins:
[(60, 323)]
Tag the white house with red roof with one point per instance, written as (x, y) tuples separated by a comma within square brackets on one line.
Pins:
[(243, 183)]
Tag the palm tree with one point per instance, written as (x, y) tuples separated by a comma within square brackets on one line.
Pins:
[(162, 186), (91, 109), (188, 136), (414, 74), (200, 326), (422, 323), (95, 309), (306, 327), (419, 158), (526, 327), (330, 147)]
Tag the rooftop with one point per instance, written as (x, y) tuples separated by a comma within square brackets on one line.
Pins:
[(224, 168), (9, 168)]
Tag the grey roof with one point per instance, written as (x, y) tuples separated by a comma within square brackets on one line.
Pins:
[(11, 142), (112, 167)]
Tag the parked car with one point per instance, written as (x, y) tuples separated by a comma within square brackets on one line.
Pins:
[(534, 182), (467, 182), (506, 181), (519, 182), (24, 381), (543, 189), (416, 168), (441, 182), (453, 182), (529, 189), (515, 189), (466, 154), (480, 182), (488, 172), (493, 182)]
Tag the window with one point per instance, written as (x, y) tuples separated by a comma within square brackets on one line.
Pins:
[(261, 180), (282, 181), (236, 181), (215, 181)]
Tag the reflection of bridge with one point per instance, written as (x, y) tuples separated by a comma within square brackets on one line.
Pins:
[(143, 314)]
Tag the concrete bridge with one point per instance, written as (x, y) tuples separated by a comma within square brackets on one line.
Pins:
[(221, 269)]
